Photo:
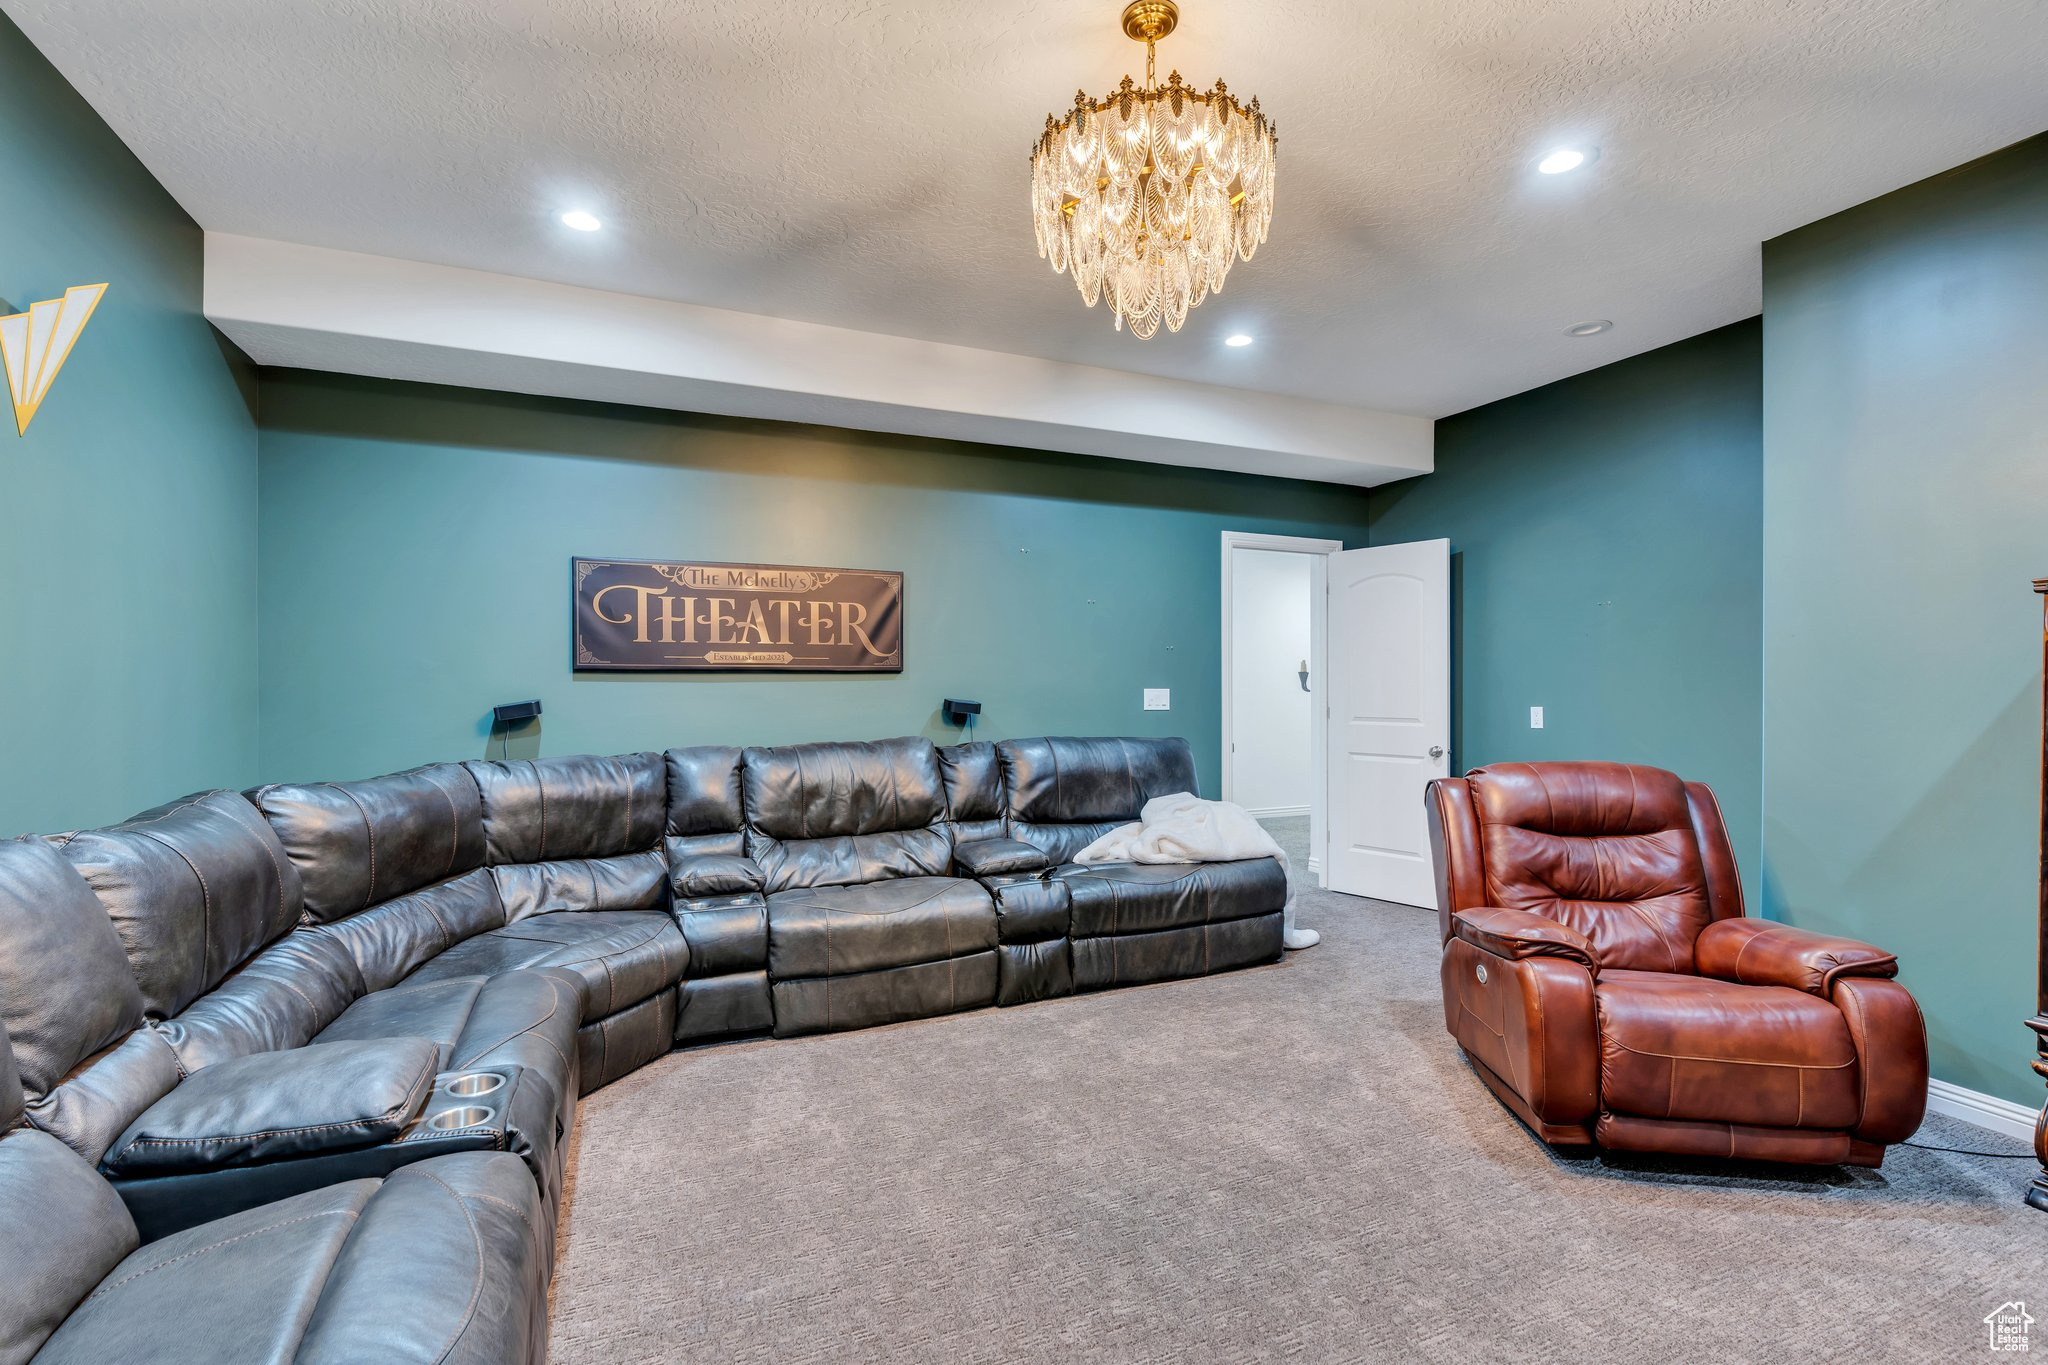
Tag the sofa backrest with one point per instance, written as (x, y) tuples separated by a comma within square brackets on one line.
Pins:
[(1061, 794), (1632, 857), (194, 889), (837, 814), (394, 873), (66, 1228), (577, 833), (973, 777), (358, 844), (69, 1002), (705, 814)]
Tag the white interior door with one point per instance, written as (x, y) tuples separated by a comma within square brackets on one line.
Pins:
[(1389, 727)]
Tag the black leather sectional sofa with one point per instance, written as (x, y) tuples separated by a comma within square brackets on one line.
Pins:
[(290, 1074)]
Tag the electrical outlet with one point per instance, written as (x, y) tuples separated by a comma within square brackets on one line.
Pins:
[(1158, 699), (1535, 718)]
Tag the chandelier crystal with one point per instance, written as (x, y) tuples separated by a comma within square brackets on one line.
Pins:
[(1149, 194)]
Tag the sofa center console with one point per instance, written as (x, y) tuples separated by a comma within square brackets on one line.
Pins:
[(459, 1111)]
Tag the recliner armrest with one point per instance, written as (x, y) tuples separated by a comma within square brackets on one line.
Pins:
[(1000, 858), (715, 875), (1517, 934), (320, 1098), (1757, 952)]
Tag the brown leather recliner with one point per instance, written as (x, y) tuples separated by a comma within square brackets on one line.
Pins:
[(1600, 976)]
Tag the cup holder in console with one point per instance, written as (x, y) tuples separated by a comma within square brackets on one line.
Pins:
[(475, 1083), (470, 1116)]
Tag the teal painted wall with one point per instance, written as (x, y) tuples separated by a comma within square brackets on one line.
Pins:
[(1606, 566), (1905, 513), (128, 512), (416, 545)]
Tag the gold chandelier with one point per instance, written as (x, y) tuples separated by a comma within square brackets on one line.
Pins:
[(1149, 194)]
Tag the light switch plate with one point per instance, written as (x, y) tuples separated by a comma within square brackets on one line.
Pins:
[(1158, 699), (1535, 718)]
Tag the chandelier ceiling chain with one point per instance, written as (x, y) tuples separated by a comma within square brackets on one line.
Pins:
[(1149, 194)]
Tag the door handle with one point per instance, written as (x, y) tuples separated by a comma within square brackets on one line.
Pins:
[(1436, 751)]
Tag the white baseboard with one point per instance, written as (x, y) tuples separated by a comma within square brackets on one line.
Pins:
[(1985, 1111), (1279, 812)]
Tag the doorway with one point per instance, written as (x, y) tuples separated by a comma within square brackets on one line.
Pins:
[(1336, 698), (1274, 755)]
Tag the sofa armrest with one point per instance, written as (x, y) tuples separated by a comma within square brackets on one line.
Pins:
[(715, 875), (1516, 934), (323, 1097), (1759, 952), (1000, 858)]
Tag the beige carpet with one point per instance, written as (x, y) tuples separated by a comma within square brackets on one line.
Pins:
[(1289, 1163)]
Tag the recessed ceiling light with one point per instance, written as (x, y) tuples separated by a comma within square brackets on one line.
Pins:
[(581, 221), (1238, 340), (1588, 329), (1567, 159)]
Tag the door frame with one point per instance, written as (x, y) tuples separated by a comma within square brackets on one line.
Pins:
[(1319, 619)]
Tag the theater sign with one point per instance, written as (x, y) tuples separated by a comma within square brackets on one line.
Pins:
[(656, 615)]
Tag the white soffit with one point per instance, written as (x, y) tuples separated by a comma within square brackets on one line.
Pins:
[(318, 308)]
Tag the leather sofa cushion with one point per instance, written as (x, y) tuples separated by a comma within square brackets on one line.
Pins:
[(65, 1230), (1692, 1047), (973, 778), (1060, 843), (65, 988), (999, 857), (1064, 780), (278, 1105), (577, 807), (441, 1262), (522, 1018), (703, 791), (278, 999), (1129, 898), (695, 878), (194, 888), (842, 814), (628, 881), (448, 1263), (390, 941), (817, 791), (827, 931), (358, 843), (852, 859), (618, 958), (1608, 849), (256, 1273)]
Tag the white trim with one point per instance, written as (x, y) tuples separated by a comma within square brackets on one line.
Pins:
[(1279, 812), (1984, 1111), (1318, 588)]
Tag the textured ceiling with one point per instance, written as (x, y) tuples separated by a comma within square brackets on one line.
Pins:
[(863, 162)]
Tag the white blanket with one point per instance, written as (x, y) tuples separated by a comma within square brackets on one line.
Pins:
[(1182, 828), (1185, 829)]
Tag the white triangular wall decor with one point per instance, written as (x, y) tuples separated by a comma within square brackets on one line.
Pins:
[(34, 346)]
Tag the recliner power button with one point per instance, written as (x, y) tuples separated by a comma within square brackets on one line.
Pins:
[(1482, 973)]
